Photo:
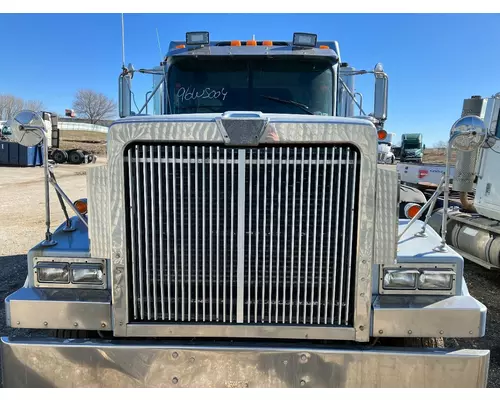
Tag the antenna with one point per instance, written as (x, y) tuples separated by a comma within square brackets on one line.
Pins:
[(159, 45), (123, 43), (253, 37)]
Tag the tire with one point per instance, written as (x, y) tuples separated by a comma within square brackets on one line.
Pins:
[(59, 156), (76, 157)]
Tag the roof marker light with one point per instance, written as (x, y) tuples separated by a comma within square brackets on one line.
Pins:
[(324, 47), (180, 46), (251, 43), (267, 43), (235, 43)]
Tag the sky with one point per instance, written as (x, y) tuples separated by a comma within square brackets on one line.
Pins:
[(434, 61)]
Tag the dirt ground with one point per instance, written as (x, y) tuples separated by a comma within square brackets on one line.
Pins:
[(22, 226)]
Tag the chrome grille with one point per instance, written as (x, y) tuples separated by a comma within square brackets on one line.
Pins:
[(261, 235)]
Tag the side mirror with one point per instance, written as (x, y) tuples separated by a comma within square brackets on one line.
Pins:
[(381, 93), (468, 133), (26, 128), (125, 91)]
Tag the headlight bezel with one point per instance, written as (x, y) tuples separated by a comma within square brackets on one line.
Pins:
[(422, 268), (79, 263)]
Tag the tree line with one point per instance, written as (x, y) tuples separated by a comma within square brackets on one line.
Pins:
[(87, 104)]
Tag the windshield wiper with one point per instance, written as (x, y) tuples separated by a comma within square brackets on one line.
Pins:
[(296, 104)]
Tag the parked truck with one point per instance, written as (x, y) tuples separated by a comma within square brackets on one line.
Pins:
[(412, 147), (244, 236), (472, 229)]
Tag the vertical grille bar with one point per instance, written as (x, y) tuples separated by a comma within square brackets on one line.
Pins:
[(167, 202), (140, 235), (325, 157), (132, 210), (210, 231), (217, 297), (256, 300), (344, 218), (240, 272), (189, 231), (278, 239), (153, 230), (249, 233), (299, 257), (203, 238), (225, 237), (335, 242), (313, 279), (264, 213), (233, 177), (329, 241), (271, 205), (292, 278), (176, 261), (351, 234), (197, 232), (146, 224), (307, 234), (160, 211), (285, 244), (276, 243)]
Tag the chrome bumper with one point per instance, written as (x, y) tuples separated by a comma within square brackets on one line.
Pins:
[(79, 363)]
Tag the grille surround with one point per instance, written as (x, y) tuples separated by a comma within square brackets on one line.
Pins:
[(241, 308)]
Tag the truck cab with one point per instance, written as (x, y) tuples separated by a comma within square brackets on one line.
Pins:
[(412, 148), (245, 236)]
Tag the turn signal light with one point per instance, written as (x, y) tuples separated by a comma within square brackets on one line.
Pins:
[(382, 134), (81, 206), (411, 210)]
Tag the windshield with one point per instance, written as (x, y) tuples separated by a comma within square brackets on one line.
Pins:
[(269, 85), (412, 145)]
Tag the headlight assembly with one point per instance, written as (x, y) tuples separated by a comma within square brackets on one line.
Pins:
[(69, 273), (418, 279)]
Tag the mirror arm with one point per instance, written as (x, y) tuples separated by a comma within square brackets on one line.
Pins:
[(152, 94)]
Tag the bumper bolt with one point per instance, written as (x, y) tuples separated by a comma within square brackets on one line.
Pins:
[(470, 332), (175, 354), (381, 331), (410, 332), (441, 332), (18, 322), (103, 325), (302, 382), (191, 359), (303, 357), (75, 324), (45, 323), (361, 328), (175, 381)]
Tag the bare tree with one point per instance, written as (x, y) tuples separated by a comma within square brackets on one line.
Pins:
[(94, 106), (10, 105), (441, 144)]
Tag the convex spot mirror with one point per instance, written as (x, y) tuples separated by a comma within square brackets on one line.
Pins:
[(27, 128), (468, 133)]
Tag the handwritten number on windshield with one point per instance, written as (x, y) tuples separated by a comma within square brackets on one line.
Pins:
[(192, 94)]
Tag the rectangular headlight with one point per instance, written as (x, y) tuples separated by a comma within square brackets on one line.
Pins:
[(87, 273), (436, 279), (52, 272), (400, 278)]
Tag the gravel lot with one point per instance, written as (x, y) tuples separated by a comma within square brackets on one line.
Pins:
[(22, 226)]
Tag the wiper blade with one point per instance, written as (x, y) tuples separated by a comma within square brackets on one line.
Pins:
[(299, 105)]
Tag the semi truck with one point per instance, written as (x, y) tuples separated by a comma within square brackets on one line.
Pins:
[(472, 229), (412, 147), (244, 236)]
